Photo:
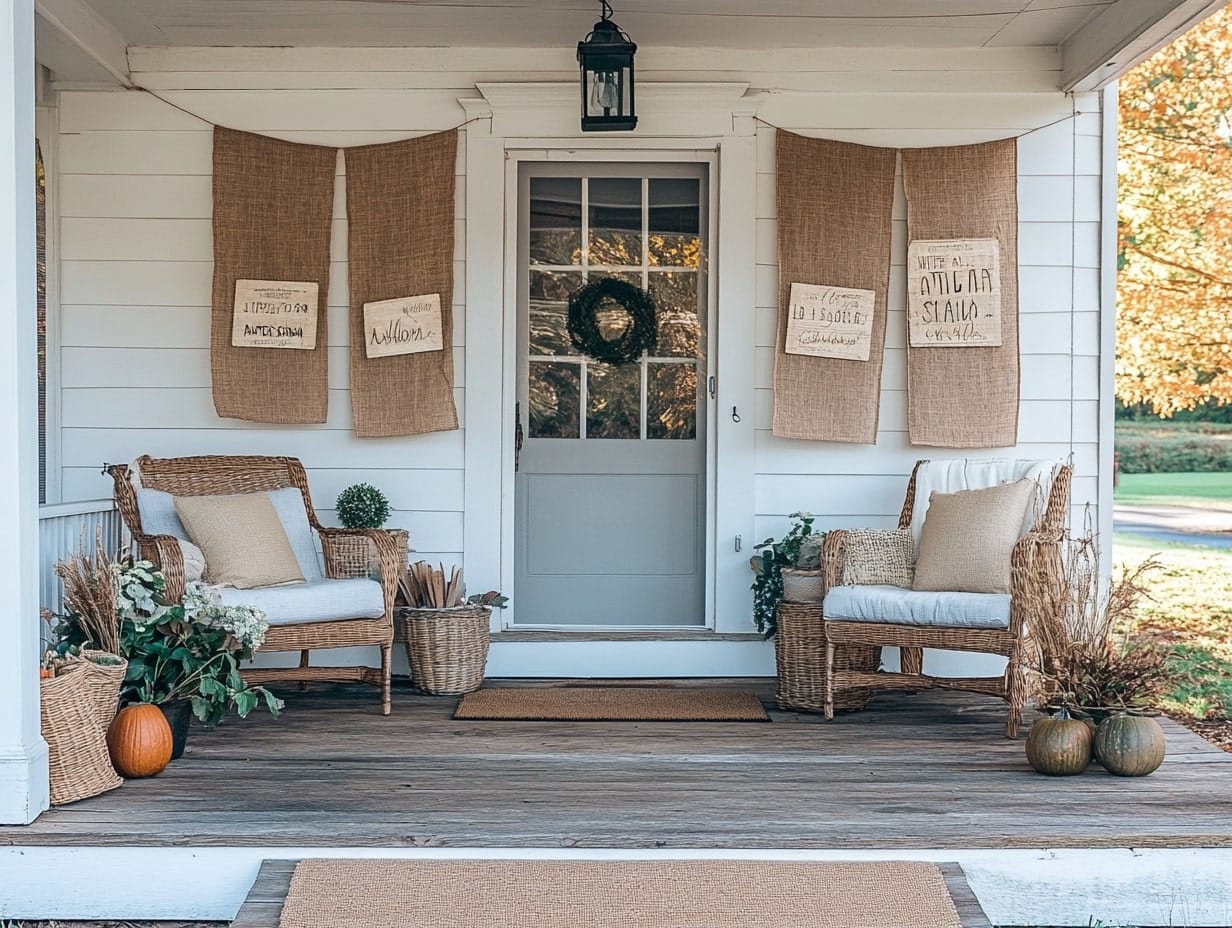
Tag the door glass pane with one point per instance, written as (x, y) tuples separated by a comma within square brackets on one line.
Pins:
[(549, 309), (674, 238), (555, 400), (616, 220), (675, 296), (613, 400), (671, 401), (555, 220)]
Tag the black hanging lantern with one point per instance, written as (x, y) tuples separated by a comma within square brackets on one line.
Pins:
[(605, 58)]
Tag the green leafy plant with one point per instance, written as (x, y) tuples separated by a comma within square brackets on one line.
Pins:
[(362, 505), (799, 548), (187, 650)]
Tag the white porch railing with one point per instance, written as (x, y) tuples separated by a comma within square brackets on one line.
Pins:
[(65, 529)]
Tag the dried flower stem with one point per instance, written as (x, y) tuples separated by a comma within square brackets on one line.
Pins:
[(90, 594)]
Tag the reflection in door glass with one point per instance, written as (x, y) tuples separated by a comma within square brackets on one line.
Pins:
[(548, 311), (613, 407), (615, 220), (674, 237), (675, 296), (671, 401), (555, 400), (555, 220)]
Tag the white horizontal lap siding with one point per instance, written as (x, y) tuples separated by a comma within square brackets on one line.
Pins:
[(1059, 300), (136, 265)]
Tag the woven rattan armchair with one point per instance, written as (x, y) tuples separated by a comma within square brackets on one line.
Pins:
[(211, 475), (1036, 551)]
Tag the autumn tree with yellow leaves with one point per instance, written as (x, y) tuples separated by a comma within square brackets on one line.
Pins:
[(1174, 224)]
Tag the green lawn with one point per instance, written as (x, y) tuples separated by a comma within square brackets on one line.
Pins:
[(1191, 615), (1202, 490)]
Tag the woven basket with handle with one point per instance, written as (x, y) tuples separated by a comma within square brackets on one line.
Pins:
[(356, 556), (447, 648), (77, 748), (800, 655), (103, 675)]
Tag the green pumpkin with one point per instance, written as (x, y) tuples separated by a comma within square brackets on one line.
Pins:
[(1059, 746), (1130, 745)]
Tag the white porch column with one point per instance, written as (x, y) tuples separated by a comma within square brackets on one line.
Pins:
[(23, 753)]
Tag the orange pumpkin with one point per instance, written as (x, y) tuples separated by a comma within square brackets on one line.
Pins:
[(139, 740)]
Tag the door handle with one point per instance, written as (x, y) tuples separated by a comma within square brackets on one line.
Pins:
[(517, 435)]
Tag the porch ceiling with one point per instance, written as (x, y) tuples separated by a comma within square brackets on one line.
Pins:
[(1097, 39)]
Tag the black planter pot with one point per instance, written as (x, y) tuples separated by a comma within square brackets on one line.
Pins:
[(178, 713)]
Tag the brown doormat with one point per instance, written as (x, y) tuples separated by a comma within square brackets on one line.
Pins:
[(612, 704), (382, 893)]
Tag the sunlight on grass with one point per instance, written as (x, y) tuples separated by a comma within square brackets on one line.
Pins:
[(1191, 614)]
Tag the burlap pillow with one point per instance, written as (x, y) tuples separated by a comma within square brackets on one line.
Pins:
[(967, 538), (872, 556), (244, 543)]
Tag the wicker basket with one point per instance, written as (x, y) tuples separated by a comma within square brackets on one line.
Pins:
[(103, 682), (800, 655), (802, 586), (356, 556), (77, 749), (447, 648)]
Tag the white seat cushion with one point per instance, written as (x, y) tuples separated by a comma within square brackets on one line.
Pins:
[(893, 605), (312, 601)]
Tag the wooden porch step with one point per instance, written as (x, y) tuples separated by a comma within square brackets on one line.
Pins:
[(263, 906)]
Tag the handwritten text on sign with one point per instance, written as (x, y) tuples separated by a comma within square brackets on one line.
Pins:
[(954, 293), (275, 314), (829, 322), (407, 325)]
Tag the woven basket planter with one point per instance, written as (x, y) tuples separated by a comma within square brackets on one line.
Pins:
[(802, 586), (77, 749), (356, 556), (102, 683), (447, 648), (800, 656)]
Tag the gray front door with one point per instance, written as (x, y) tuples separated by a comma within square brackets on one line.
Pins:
[(610, 491)]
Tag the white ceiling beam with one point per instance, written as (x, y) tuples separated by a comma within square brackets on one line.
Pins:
[(97, 38), (1124, 34)]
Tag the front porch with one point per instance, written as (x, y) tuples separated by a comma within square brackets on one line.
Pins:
[(927, 776)]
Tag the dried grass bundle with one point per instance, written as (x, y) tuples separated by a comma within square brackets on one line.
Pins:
[(1076, 659), (90, 595)]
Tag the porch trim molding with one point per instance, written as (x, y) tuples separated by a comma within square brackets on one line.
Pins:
[(23, 753), (508, 120)]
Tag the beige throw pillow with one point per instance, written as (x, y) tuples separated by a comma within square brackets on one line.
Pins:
[(244, 543), (878, 557), (967, 538)]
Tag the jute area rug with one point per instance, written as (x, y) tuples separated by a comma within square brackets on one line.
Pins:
[(612, 704), (616, 894)]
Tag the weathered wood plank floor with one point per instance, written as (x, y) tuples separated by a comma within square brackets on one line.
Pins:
[(263, 906), (924, 771)]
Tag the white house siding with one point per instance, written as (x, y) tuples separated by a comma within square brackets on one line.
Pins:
[(135, 256)]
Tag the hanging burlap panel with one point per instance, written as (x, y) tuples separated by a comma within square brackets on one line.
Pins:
[(834, 221), (966, 397), (273, 201), (400, 212)]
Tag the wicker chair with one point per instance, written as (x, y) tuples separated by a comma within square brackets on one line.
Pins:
[(1036, 558), (220, 475)]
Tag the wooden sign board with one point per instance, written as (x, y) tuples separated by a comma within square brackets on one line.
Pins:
[(407, 325), (830, 322), (954, 293), (275, 314)]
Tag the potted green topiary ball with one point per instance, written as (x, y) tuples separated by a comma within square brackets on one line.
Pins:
[(362, 505)]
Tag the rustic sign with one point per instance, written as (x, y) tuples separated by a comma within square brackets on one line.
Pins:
[(407, 325), (954, 293), (830, 322), (275, 314)]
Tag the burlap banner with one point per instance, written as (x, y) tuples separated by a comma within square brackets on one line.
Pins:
[(400, 213), (964, 396), (834, 221), (273, 201)]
